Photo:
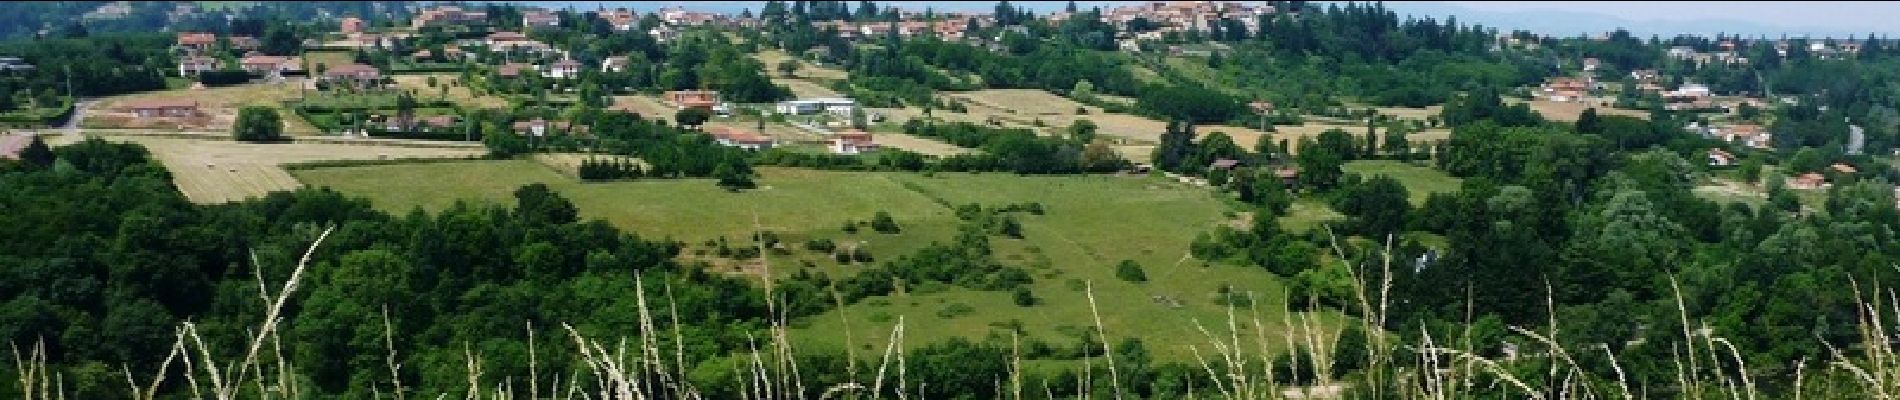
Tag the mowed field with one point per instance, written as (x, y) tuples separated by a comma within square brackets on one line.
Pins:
[(456, 93), (1569, 111), (771, 59), (219, 104), (216, 171), (1092, 222), (1420, 180)]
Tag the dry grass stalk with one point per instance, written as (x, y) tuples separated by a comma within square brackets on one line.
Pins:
[(1114, 377)]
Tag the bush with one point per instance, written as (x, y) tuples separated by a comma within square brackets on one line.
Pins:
[(1128, 270), (882, 223), (1024, 297), (955, 310), (820, 245)]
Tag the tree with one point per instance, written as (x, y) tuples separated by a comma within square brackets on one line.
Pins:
[(789, 67), (1320, 167), (883, 223), (692, 117), (1588, 123), (37, 153), (1128, 270), (46, 99), (1751, 170), (1083, 91), (1082, 131), (1376, 207), (258, 124), (536, 204), (1396, 145), (1023, 297), (731, 177)]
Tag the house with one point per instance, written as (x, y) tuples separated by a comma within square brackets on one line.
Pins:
[(1645, 75), (538, 127), (358, 75), (1590, 64), (735, 137), (513, 70), (1682, 52), (664, 33), (1261, 107), (1808, 181), (14, 64), (1224, 164), (197, 41), (350, 25), (614, 64), (852, 143), (411, 123), (1689, 96), (1750, 135), (447, 15), (684, 99), (1289, 177), (270, 66), (191, 66), (1720, 158), (1843, 168), (154, 108), (621, 19), (565, 69), (1565, 89), (540, 19), (245, 43)]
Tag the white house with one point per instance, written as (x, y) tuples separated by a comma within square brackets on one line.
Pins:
[(614, 64), (839, 106), (565, 69), (190, 66)]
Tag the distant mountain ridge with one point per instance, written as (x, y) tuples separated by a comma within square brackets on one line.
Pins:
[(1566, 23)]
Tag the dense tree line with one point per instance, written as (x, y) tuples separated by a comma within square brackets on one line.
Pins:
[(1016, 150)]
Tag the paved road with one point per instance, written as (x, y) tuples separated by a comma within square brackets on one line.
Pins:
[(79, 112)]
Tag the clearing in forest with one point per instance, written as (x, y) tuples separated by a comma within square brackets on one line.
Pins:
[(1091, 222)]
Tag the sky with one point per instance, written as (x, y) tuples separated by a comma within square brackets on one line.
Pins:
[(1558, 18)]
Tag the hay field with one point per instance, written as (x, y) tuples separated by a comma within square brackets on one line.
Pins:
[(219, 106), (805, 88), (1570, 111), (216, 171), (920, 145), (460, 94), (771, 58), (646, 106)]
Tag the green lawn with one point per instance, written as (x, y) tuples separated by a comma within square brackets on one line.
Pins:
[(1420, 180), (1092, 222)]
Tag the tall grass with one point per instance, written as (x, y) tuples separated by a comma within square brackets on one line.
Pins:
[(638, 367)]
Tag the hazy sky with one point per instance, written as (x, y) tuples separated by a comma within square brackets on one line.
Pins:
[(1665, 18), (1866, 16)]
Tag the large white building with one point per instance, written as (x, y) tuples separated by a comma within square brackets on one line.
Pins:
[(838, 106)]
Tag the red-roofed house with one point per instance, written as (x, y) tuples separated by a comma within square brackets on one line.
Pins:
[(10, 145), (512, 70), (735, 137), (1808, 181), (161, 108), (271, 66), (197, 41), (683, 99), (354, 74), (854, 142)]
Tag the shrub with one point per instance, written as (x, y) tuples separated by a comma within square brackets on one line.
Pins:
[(1024, 297), (955, 310), (1128, 270), (820, 245), (850, 227), (882, 223)]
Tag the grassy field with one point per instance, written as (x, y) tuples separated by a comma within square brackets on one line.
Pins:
[(220, 104), (217, 171), (457, 93), (1092, 223), (1420, 180), (328, 59), (805, 88)]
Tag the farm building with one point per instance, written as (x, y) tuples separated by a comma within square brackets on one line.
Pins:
[(735, 137), (161, 108), (851, 143), (839, 106)]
